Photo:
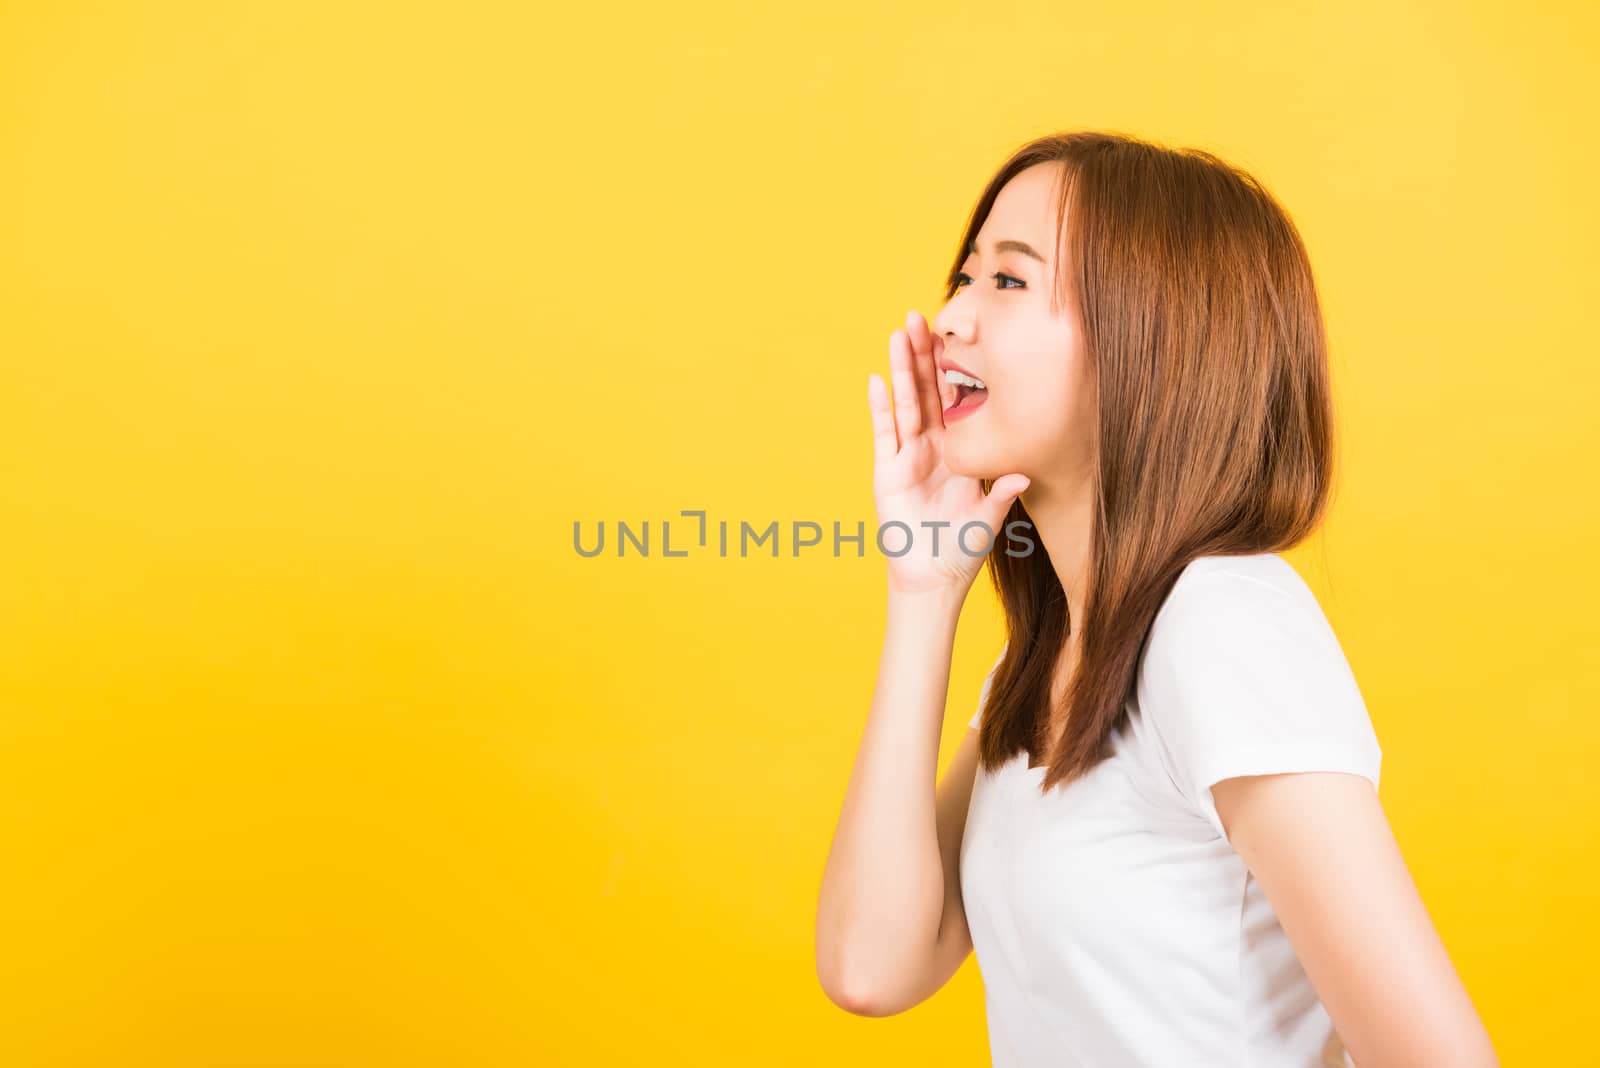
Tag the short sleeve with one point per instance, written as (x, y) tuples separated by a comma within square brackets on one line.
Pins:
[(1241, 676), (983, 691)]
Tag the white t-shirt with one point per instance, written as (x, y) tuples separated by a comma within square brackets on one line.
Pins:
[(1114, 925)]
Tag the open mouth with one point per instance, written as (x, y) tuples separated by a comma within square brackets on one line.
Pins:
[(970, 393), (969, 397)]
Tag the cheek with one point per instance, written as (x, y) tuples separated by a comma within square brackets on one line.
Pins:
[(1042, 399), (1042, 413)]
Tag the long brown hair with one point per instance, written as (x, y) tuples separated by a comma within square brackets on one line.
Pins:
[(1214, 429)]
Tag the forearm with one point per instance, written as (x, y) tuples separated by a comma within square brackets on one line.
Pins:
[(883, 891)]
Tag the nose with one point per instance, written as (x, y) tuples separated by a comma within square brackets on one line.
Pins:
[(953, 323)]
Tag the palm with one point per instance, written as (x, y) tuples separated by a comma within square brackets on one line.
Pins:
[(915, 485)]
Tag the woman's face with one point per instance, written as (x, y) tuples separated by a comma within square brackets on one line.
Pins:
[(1036, 417)]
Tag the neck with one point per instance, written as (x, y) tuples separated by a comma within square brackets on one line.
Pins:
[(1062, 512)]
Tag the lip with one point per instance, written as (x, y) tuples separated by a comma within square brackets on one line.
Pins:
[(951, 365)]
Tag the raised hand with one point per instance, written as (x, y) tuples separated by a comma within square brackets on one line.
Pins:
[(910, 482)]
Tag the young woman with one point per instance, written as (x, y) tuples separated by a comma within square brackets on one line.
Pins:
[(1162, 834)]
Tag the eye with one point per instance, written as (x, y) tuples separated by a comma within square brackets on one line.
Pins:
[(999, 276)]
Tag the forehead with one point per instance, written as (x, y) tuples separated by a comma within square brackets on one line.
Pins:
[(1025, 210)]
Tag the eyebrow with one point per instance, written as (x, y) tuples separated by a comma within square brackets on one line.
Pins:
[(1007, 246)]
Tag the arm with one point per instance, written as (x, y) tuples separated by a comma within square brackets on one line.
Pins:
[(1321, 847), (890, 927)]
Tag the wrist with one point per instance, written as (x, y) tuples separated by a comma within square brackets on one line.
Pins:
[(937, 602)]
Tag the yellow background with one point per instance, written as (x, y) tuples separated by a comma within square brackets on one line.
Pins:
[(321, 324)]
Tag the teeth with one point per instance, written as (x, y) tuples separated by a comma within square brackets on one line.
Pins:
[(956, 378)]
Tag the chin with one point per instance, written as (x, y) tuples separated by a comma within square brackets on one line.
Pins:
[(970, 459)]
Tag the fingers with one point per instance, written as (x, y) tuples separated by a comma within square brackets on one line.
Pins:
[(927, 375), (884, 443), (918, 401), (997, 502), (907, 406), (947, 392)]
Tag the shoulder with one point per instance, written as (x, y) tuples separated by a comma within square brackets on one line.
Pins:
[(1220, 602), (1240, 576), (1241, 674), (1242, 640)]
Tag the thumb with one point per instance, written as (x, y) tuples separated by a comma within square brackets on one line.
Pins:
[(997, 503)]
